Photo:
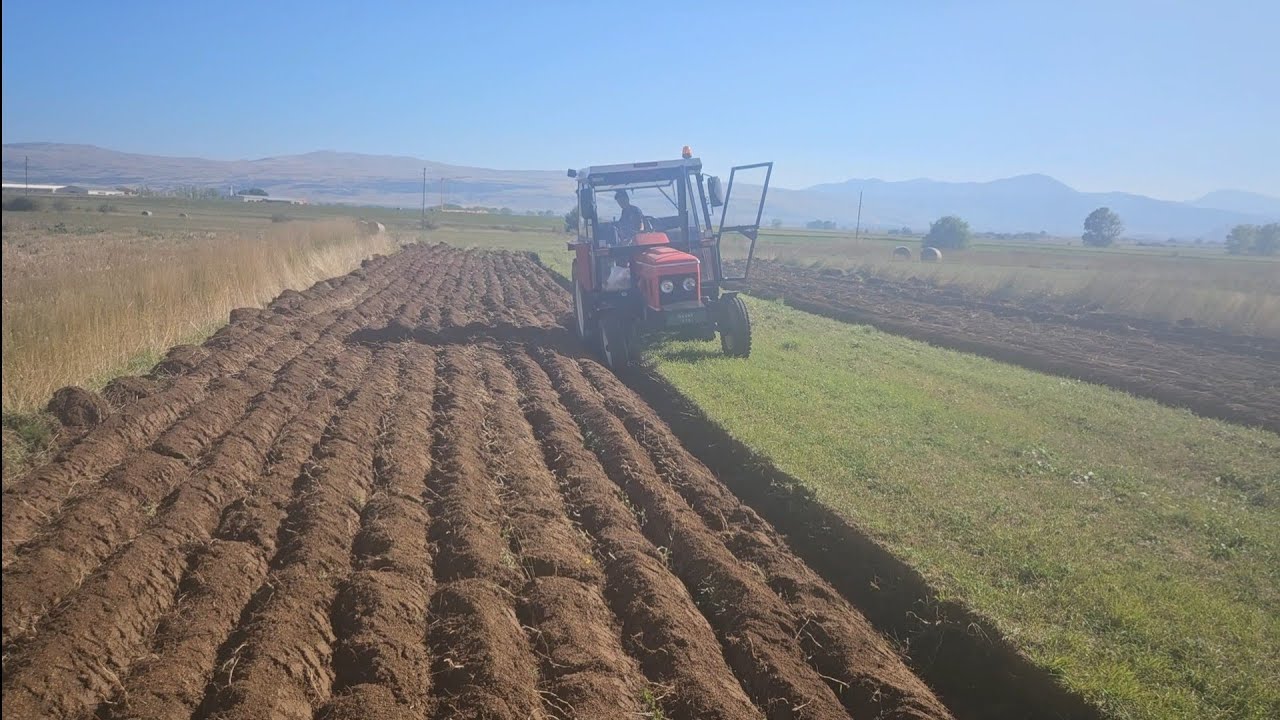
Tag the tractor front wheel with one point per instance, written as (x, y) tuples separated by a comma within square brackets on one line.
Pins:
[(616, 343), (735, 327)]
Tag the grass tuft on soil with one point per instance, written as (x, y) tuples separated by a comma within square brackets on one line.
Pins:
[(28, 439), (1128, 547)]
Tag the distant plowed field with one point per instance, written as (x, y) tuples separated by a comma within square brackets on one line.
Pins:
[(1216, 374), (406, 493)]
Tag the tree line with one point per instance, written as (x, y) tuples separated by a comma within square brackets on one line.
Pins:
[(1254, 239)]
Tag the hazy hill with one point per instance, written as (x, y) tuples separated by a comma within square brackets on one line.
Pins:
[(1032, 203), (1018, 204), (1240, 201), (323, 176)]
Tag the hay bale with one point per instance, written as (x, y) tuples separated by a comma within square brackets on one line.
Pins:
[(902, 252), (931, 254), (370, 227), (147, 213)]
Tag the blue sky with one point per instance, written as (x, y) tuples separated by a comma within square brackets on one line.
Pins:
[(1170, 99)]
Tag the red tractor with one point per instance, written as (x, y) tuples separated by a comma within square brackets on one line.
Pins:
[(662, 272)]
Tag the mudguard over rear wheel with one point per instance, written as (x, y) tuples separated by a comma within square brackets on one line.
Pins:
[(735, 327)]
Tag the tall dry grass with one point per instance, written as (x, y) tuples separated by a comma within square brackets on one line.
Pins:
[(82, 308)]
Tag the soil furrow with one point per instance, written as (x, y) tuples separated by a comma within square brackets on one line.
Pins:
[(282, 666), (78, 658), (381, 665), (584, 671), (873, 679), (758, 633), (100, 521), (483, 666), (661, 626), (171, 678)]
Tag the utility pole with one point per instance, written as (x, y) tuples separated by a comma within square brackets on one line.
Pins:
[(424, 197), (858, 228), (26, 176)]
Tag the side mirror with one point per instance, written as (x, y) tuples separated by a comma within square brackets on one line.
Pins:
[(587, 203), (715, 195), (573, 173)]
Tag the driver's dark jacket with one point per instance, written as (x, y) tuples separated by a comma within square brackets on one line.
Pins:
[(630, 223)]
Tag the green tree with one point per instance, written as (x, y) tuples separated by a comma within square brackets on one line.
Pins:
[(1241, 239), (1102, 227), (1268, 242), (259, 192), (571, 220), (777, 222), (948, 232)]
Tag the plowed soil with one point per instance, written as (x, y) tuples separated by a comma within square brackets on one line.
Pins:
[(408, 493), (1230, 377)]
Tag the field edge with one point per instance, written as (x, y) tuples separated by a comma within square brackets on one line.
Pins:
[(896, 598)]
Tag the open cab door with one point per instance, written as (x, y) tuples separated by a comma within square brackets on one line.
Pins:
[(740, 219)]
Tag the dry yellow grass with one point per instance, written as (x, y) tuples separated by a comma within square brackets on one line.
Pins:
[(82, 307)]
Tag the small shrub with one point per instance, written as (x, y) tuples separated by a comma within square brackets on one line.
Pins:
[(22, 204), (106, 208)]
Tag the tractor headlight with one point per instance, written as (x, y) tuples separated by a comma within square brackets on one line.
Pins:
[(689, 284), (667, 286)]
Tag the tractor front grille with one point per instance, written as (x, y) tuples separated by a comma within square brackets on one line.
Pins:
[(679, 294)]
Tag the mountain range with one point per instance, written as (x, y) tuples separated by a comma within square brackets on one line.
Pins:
[(1025, 203)]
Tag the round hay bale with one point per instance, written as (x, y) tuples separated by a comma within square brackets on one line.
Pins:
[(902, 252), (147, 213), (931, 254), (76, 407), (371, 227)]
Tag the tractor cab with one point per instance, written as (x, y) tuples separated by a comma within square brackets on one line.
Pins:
[(648, 257)]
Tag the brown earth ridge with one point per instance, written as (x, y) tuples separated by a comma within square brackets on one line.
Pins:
[(408, 492)]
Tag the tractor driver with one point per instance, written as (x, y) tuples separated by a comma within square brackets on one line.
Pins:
[(632, 220)]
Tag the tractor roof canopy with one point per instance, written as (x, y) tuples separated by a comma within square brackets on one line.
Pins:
[(600, 176)]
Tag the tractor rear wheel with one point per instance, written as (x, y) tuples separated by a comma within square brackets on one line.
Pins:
[(616, 343), (735, 327)]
